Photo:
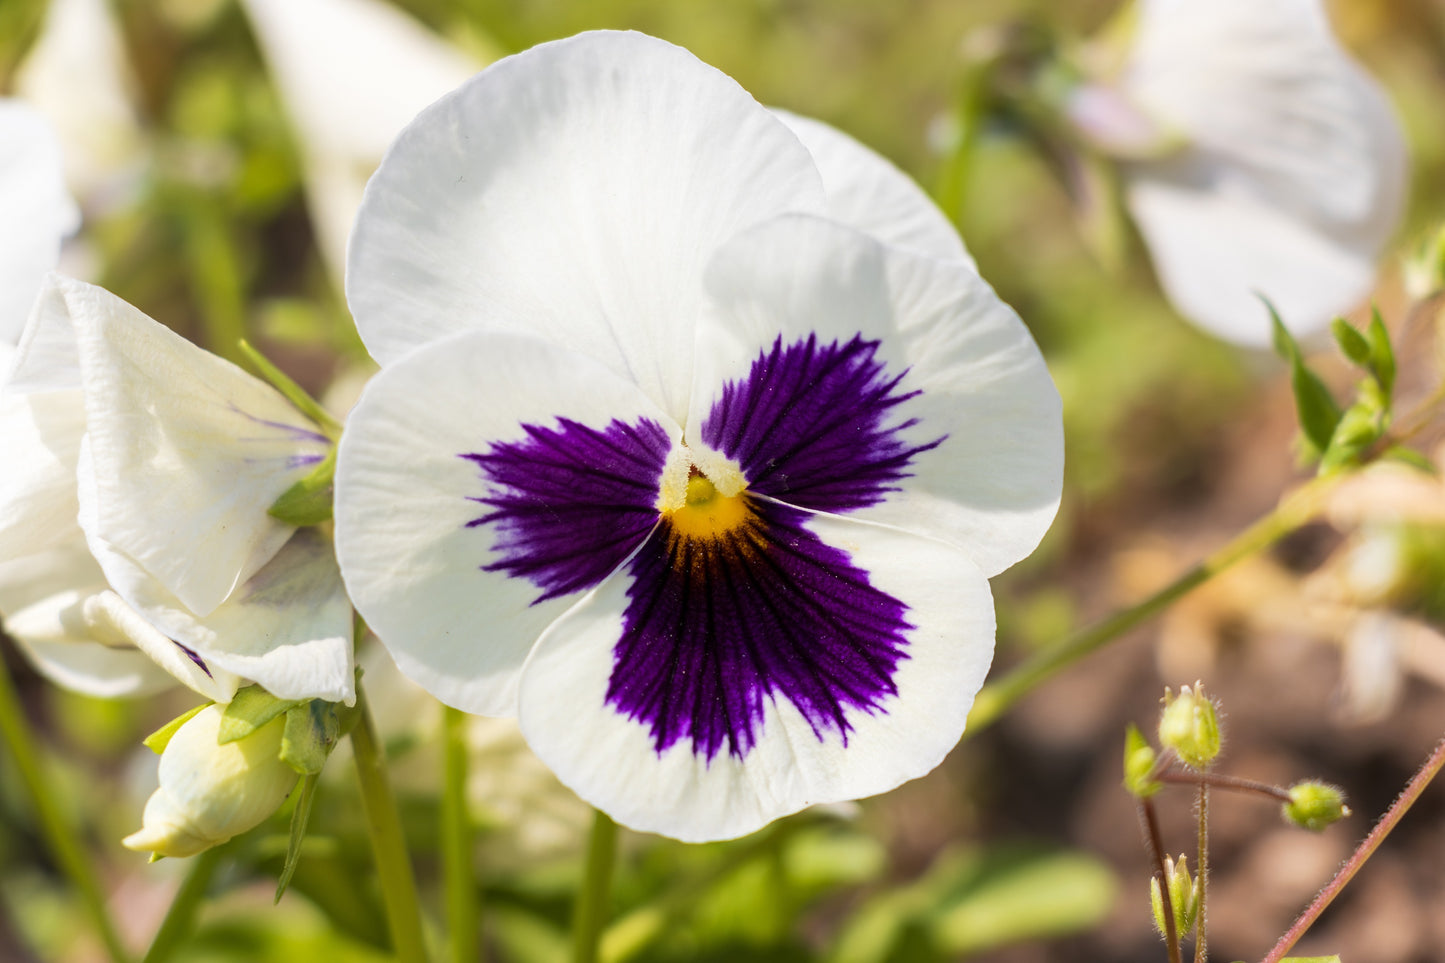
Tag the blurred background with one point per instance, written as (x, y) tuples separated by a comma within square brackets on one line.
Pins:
[(217, 200)]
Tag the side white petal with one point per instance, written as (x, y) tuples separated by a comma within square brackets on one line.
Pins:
[(188, 451), (35, 209), (992, 486), (405, 496), (573, 192), (47, 357), (1296, 146), (40, 437), (350, 96), (287, 627), (610, 760), (867, 191)]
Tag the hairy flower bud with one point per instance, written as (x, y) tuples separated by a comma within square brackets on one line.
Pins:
[(1183, 897), (1315, 805), (1139, 759), (210, 792), (1189, 725)]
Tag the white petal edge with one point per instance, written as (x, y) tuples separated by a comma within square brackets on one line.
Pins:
[(573, 192), (610, 761), (867, 191), (992, 487), (188, 451), (40, 436), (403, 502), (35, 209)]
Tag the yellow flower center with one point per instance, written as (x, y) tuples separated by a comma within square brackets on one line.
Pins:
[(706, 513)]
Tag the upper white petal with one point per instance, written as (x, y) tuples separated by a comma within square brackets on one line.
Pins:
[(405, 496), (992, 487), (1287, 137), (34, 208), (867, 191), (574, 192), (610, 760), (349, 96), (188, 451)]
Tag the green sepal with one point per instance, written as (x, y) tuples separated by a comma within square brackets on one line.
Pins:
[(311, 733), (1139, 759), (300, 816), (1318, 412), (294, 393), (250, 709), (308, 502), (1382, 355), (157, 741), (1352, 343)]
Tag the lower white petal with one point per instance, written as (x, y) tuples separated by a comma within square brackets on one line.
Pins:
[(783, 753), (40, 436)]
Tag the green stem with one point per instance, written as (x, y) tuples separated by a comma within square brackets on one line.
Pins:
[(956, 170), (1363, 852), (181, 917), (1201, 876), (63, 841), (383, 822), (1166, 902), (592, 902), (462, 896), (1295, 510)]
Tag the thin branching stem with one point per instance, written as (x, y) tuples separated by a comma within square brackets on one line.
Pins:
[(1218, 781), (1156, 849), (1366, 849), (1201, 868)]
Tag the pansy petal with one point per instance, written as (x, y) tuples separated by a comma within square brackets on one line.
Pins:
[(834, 659), (482, 482), (846, 376), (188, 451), (867, 191), (573, 192), (40, 436), (35, 209)]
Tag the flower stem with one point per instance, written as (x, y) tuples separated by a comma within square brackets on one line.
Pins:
[(463, 899), (181, 917), (1366, 849), (1296, 509), (1156, 849), (1218, 781), (383, 823), (1201, 871), (62, 839), (592, 902)]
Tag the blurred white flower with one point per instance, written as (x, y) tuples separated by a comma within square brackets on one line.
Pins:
[(1258, 158), (77, 75), (349, 96), (210, 792), (35, 210)]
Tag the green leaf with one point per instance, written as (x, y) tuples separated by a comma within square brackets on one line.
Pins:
[(1382, 355), (308, 502), (1359, 428), (1318, 412), (294, 393), (1411, 457), (310, 735), (300, 816), (1351, 342), (250, 709), (157, 741)]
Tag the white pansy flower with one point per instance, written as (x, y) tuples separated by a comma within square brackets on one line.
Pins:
[(1279, 167), (209, 792), (349, 96), (173, 457), (695, 442)]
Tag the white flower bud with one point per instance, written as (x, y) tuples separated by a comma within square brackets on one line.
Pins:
[(211, 792)]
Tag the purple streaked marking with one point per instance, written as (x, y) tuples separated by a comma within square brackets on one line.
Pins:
[(717, 627), (808, 425), (293, 432), (570, 503), (191, 654)]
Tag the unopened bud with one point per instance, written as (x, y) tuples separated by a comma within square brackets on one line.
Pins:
[(1315, 805), (1189, 725), (1183, 897), (211, 792), (1139, 759)]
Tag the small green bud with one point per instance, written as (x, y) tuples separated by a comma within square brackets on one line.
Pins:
[(1183, 897), (1189, 725), (1314, 805), (1139, 758)]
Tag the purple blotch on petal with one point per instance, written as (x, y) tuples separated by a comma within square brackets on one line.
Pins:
[(810, 424), (570, 503), (191, 654), (716, 627)]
